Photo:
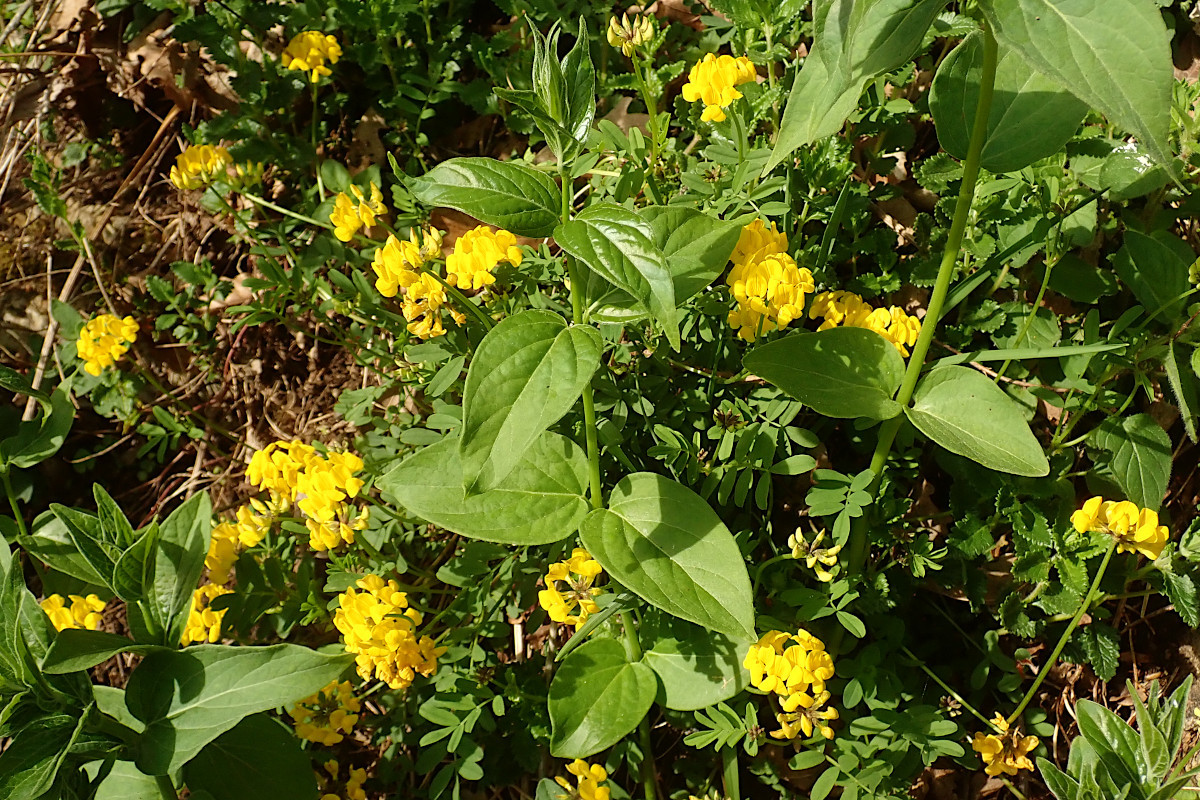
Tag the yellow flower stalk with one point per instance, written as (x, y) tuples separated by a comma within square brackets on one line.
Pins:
[(1134, 529), (713, 80), (628, 36), (198, 165), (1006, 752), (588, 778), (328, 716), (351, 214), (310, 51), (103, 340), (476, 254), (204, 622), (83, 612), (569, 596), (379, 628)]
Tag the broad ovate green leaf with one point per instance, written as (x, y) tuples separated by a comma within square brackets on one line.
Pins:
[(596, 698), (1139, 457), (526, 374), (663, 542), (840, 372), (695, 667), (1113, 55), (967, 414), (542, 499), (511, 195)]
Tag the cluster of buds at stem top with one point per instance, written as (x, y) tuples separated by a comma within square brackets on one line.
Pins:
[(629, 36)]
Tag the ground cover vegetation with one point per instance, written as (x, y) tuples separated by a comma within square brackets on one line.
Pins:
[(432, 399)]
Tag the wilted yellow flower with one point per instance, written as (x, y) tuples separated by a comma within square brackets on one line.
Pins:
[(349, 215), (1134, 529), (327, 716), (378, 626), (196, 166), (850, 310), (309, 51), (575, 600), (83, 612), (629, 36), (203, 622), (476, 254), (328, 783), (712, 81), (815, 556), (398, 262), (588, 778), (103, 340), (1006, 752), (802, 714)]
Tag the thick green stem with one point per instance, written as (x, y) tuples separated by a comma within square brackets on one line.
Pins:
[(633, 649), (1062, 641), (165, 787), (12, 501), (962, 210)]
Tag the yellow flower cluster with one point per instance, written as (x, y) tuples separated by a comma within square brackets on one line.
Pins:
[(766, 283), (629, 36), (349, 214), (246, 529), (327, 716), (572, 603), (1134, 529), (204, 622), (476, 254), (380, 629), (103, 340), (712, 81), (294, 472), (354, 782), (815, 557), (588, 778), (850, 310), (308, 51), (1004, 752), (795, 667), (84, 612), (196, 166), (397, 266)]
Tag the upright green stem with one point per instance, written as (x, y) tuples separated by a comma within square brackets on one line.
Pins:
[(165, 787), (769, 33), (634, 650), (1066, 635), (316, 118), (589, 404), (962, 210), (729, 773), (12, 501)]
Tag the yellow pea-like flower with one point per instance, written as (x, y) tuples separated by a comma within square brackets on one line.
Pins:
[(310, 51), (103, 340), (713, 81)]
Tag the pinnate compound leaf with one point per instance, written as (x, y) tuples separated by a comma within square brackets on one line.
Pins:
[(189, 697), (619, 246), (513, 196), (967, 414), (1032, 117), (855, 41), (258, 758), (696, 667), (663, 542), (840, 372), (540, 501), (597, 697), (1139, 456), (1114, 55), (78, 649), (526, 374)]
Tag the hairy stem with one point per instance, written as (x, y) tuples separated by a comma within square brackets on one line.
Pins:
[(962, 210)]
